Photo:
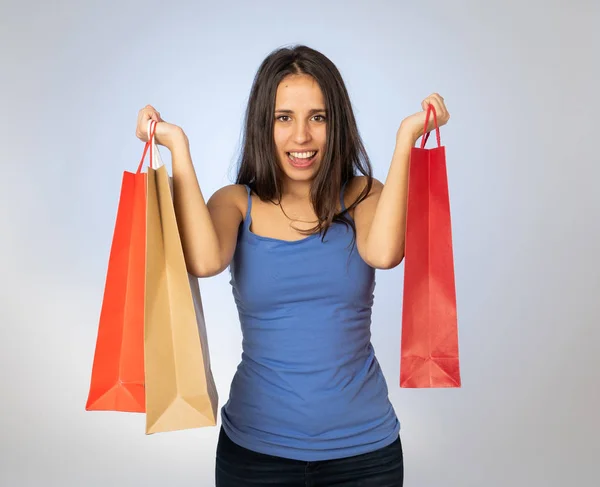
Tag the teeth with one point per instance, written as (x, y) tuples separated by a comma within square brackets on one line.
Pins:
[(303, 155)]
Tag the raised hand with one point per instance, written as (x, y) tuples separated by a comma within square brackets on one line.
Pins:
[(413, 125), (165, 134)]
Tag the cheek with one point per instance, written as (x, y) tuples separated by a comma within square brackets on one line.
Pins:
[(280, 138), (321, 135)]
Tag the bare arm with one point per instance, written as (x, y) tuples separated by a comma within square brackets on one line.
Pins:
[(381, 218), (208, 231)]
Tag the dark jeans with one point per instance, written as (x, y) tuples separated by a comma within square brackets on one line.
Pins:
[(239, 467)]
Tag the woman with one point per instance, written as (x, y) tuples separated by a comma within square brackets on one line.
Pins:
[(302, 230)]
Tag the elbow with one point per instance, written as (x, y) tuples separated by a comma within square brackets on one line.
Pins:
[(386, 260), (205, 268), (386, 264)]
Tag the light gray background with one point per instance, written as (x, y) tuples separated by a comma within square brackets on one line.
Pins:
[(521, 82)]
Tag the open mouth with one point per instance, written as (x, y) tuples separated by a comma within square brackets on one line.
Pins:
[(302, 159)]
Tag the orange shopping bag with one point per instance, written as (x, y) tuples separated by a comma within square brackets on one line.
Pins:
[(429, 345), (117, 379)]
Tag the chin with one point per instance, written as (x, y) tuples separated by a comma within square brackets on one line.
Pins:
[(300, 176)]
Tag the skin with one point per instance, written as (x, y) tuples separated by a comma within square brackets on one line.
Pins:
[(300, 125), (209, 230)]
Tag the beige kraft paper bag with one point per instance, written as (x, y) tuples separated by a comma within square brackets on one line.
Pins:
[(180, 389)]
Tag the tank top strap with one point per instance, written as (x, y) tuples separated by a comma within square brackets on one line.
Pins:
[(247, 217), (342, 196)]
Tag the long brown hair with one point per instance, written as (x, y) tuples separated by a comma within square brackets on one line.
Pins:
[(345, 154)]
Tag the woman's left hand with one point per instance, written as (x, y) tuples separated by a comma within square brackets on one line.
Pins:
[(412, 126)]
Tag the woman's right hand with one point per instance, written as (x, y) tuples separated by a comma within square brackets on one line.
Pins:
[(165, 134)]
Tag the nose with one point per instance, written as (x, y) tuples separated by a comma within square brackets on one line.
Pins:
[(301, 132)]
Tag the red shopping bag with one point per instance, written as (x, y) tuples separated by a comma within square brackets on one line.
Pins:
[(429, 343), (117, 379)]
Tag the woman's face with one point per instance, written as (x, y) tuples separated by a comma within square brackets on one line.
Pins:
[(300, 126)]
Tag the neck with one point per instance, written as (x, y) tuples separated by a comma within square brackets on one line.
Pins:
[(296, 190)]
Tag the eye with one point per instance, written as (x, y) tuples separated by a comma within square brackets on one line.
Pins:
[(280, 117), (320, 118)]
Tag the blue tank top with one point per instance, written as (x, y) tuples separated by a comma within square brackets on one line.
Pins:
[(308, 386)]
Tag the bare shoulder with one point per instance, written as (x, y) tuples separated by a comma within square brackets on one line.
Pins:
[(364, 212), (232, 195), (227, 207), (355, 188)]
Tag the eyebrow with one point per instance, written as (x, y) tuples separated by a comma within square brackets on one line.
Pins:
[(312, 112)]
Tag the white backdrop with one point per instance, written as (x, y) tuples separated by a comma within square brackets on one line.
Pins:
[(521, 83)]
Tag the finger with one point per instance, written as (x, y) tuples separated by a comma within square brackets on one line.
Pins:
[(428, 101), (438, 104), (441, 109), (436, 100), (154, 115), (144, 114), (150, 114), (142, 123), (431, 122), (146, 109)]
